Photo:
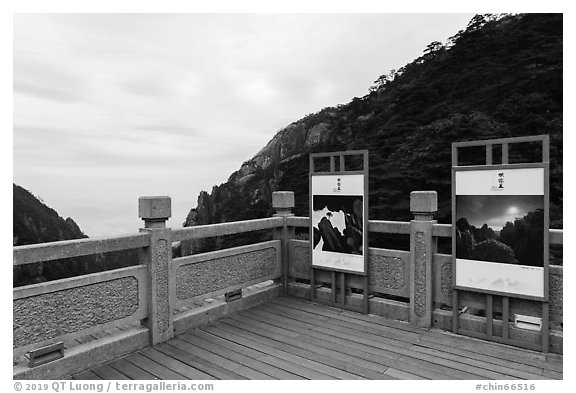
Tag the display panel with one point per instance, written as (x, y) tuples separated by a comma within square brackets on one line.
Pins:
[(338, 225), (500, 224)]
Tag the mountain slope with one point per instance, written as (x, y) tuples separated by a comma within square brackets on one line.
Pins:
[(34, 222), (501, 77)]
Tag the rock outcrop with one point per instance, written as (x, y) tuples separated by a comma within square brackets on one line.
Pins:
[(501, 77)]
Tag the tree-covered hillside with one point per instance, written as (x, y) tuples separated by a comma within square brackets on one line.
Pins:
[(34, 222), (500, 77)]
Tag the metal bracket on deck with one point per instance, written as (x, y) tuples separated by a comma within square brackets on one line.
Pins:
[(527, 322), (45, 354), (233, 295)]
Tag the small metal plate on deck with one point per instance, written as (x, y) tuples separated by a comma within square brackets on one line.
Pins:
[(233, 295), (527, 322), (45, 354)]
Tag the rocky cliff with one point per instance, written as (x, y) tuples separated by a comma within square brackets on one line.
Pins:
[(500, 77)]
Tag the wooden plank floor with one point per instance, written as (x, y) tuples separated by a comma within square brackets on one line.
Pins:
[(290, 338)]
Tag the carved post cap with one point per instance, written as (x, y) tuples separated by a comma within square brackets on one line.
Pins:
[(283, 200), (423, 204), (154, 210)]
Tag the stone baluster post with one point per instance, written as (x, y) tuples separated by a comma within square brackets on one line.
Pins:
[(283, 203), (158, 256), (423, 204)]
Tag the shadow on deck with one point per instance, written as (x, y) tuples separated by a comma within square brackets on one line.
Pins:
[(289, 338)]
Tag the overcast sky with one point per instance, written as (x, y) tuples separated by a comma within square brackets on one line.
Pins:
[(110, 107)]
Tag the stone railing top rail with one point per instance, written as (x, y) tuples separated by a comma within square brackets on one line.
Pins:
[(79, 247), (74, 248), (227, 228)]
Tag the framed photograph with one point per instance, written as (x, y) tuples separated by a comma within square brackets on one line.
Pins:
[(338, 222), (500, 218)]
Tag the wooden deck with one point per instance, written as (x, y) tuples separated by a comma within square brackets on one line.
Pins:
[(290, 338)]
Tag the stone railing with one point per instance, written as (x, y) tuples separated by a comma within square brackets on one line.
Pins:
[(70, 308), (411, 285), (145, 297)]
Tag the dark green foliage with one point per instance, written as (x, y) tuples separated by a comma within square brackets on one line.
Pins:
[(493, 251), (501, 77), (507, 235), (525, 238), (465, 244), (528, 236), (485, 233)]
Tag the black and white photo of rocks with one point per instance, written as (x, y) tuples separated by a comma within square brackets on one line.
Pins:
[(337, 223)]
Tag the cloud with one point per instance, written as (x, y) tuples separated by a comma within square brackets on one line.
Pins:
[(45, 92), (256, 90), (170, 130), (146, 88), (40, 78), (172, 104)]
